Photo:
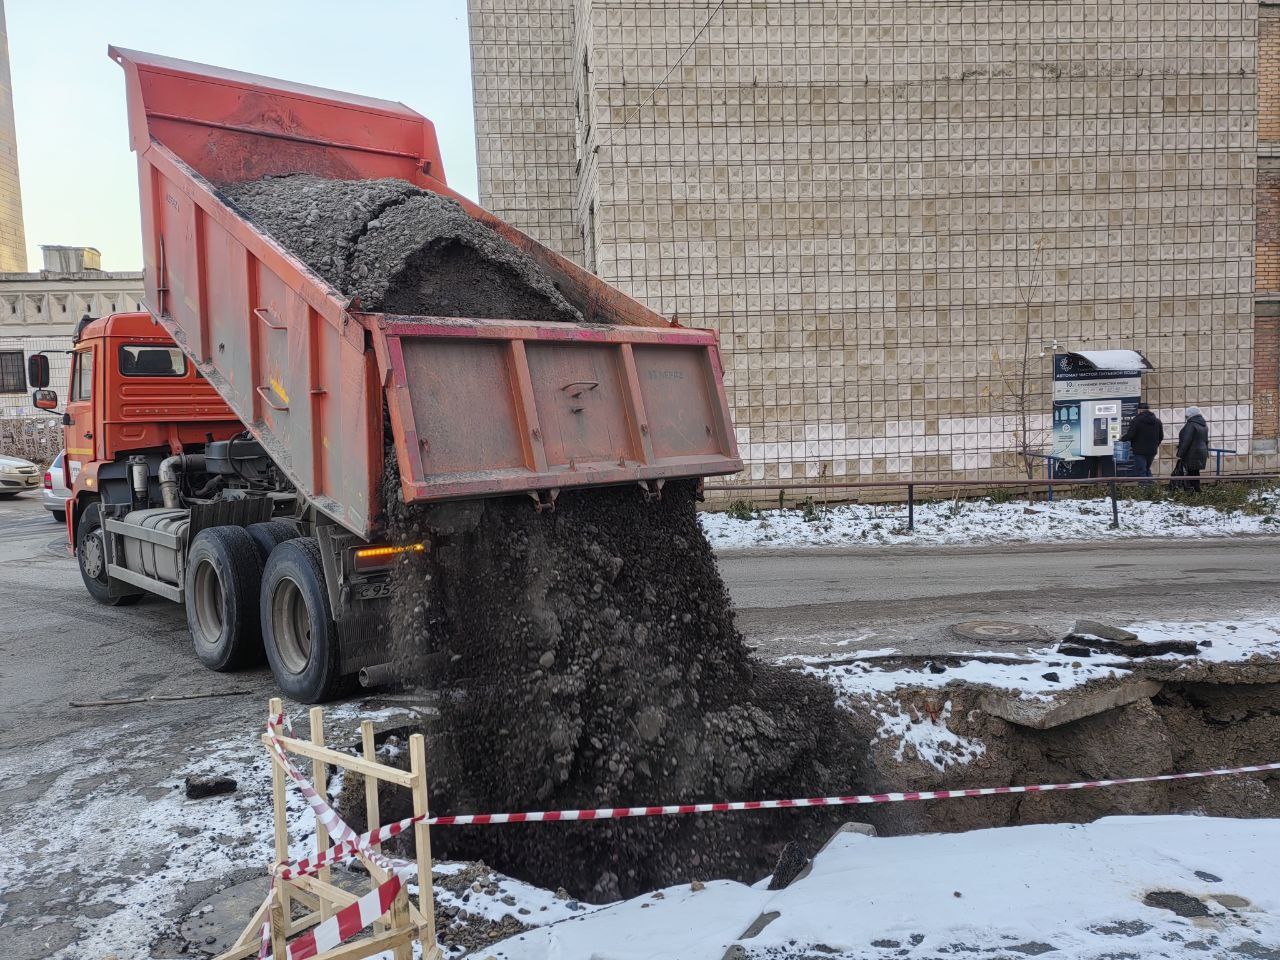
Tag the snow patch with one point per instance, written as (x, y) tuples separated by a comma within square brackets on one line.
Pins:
[(1077, 889), (984, 521), (929, 738), (1036, 673)]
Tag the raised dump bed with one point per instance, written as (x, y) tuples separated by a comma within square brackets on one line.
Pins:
[(259, 507), (477, 407)]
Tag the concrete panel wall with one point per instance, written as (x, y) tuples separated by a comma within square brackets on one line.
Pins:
[(883, 207), (522, 74)]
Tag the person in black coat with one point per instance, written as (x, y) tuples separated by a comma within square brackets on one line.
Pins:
[(1193, 451), (1144, 434)]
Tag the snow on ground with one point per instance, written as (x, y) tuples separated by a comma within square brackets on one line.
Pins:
[(854, 676), (1080, 890), (1228, 640), (985, 521), (1036, 673), (931, 740), (1059, 884), (137, 847), (126, 851)]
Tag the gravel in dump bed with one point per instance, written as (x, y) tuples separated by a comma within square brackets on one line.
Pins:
[(399, 249)]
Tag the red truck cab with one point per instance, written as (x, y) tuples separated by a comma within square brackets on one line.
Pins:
[(131, 392)]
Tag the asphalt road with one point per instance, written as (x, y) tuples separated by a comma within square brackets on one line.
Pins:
[(56, 646), (799, 602)]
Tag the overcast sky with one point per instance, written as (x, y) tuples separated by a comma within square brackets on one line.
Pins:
[(79, 178)]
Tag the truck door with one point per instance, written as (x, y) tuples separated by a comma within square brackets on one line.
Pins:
[(79, 427)]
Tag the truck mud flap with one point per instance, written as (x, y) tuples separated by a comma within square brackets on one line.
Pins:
[(234, 513), (488, 407)]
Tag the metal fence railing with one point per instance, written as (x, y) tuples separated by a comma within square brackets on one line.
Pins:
[(37, 439), (911, 487)]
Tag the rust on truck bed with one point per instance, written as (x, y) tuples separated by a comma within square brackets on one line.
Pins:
[(478, 407)]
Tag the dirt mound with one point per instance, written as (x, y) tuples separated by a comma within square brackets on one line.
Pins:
[(588, 656), (593, 661)]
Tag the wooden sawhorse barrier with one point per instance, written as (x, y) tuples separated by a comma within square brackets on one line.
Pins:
[(316, 895)]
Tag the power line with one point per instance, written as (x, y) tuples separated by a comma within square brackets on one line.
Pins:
[(679, 60)]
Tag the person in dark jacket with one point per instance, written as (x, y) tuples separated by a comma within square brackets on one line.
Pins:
[(1193, 451), (1144, 434)]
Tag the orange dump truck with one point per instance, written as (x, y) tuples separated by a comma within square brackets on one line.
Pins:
[(227, 447)]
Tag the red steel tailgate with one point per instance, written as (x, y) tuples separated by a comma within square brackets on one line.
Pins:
[(484, 407)]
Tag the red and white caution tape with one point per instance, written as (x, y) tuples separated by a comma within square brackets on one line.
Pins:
[(347, 922), (614, 813), (387, 831)]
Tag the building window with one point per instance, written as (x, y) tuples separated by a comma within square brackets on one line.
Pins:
[(12, 374)]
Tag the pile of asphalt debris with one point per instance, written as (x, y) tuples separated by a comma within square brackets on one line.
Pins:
[(582, 657)]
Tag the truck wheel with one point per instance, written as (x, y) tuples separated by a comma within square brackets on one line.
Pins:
[(298, 631), (223, 578), (91, 556), (270, 534)]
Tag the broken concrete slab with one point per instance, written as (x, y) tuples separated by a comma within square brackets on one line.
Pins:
[(849, 826), (1104, 631), (736, 951), (1085, 644), (1067, 706), (759, 923)]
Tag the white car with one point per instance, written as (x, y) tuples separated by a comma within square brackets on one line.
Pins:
[(17, 476), (56, 492)]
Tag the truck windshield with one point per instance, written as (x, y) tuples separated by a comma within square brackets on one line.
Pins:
[(145, 360)]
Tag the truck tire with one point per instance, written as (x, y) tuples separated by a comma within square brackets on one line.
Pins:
[(270, 534), (91, 557), (223, 579), (298, 631)]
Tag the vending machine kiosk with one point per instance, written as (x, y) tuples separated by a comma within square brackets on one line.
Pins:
[(1100, 427), (1095, 394)]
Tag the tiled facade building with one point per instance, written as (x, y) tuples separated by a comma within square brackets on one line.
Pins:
[(882, 206)]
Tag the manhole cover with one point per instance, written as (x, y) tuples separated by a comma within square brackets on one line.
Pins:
[(998, 631)]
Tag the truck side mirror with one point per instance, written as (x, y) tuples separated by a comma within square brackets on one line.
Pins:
[(45, 399), (38, 371)]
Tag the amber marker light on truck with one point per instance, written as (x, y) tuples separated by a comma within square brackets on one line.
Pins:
[(371, 558)]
